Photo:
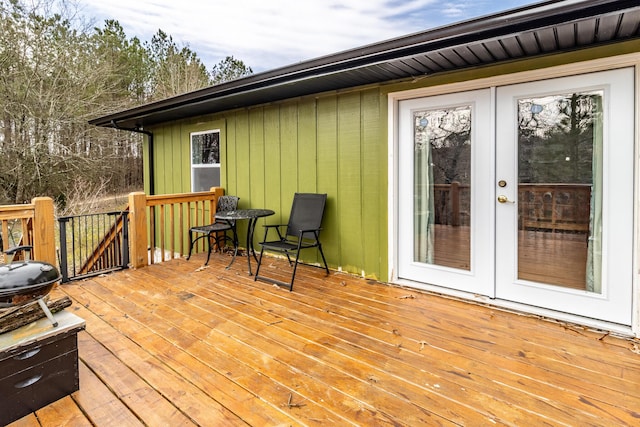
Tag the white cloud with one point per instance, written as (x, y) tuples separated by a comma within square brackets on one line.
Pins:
[(266, 34), (453, 10)]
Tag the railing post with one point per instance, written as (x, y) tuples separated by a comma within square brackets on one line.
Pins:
[(138, 231), (217, 192), (44, 240), (213, 205), (64, 266), (455, 203), (125, 239)]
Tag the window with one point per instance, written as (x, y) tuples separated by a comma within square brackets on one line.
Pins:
[(205, 160)]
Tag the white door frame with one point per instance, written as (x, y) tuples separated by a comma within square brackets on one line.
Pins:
[(479, 278), (629, 60)]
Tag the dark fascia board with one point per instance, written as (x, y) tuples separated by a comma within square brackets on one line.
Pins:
[(527, 18)]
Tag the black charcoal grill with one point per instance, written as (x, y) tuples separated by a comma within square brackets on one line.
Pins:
[(25, 281)]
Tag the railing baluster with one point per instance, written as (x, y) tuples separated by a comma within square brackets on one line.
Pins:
[(64, 269), (125, 239), (172, 230), (152, 234), (181, 221), (163, 231), (73, 244)]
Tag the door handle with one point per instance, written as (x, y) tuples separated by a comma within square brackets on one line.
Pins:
[(504, 199)]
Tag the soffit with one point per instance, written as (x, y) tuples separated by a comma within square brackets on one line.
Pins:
[(540, 29)]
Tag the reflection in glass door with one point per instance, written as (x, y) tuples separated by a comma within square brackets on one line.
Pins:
[(560, 189), (442, 186)]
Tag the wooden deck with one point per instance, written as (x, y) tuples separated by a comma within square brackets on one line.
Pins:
[(172, 344)]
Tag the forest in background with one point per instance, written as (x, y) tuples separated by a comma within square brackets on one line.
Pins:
[(57, 71)]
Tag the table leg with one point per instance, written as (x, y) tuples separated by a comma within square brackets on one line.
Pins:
[(251, 226), (235, 245)]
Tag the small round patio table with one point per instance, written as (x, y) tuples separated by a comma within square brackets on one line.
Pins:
[(252, 216)]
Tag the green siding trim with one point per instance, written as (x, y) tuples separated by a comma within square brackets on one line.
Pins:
[(256, 157), (241, 163), (288, 162), (272, 168), (374, 185), (327, 171), (229, 170), (308, 157), (349, 192)]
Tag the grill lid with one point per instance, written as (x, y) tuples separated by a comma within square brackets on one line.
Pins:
[(22, 281), (27, 273)]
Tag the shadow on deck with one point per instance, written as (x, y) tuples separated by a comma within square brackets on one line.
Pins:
[(175, 344)]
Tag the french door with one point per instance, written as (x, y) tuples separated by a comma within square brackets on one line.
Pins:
[(445, 191), (523, 193)]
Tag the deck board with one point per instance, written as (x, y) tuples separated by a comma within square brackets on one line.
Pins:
[(63, 412), (175, 344), (132, 399), (147, 354)]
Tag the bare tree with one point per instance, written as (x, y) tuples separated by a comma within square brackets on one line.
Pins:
[(57, 72)]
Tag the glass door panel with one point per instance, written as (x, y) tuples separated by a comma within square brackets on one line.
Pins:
[(442, 186), (560, 189)]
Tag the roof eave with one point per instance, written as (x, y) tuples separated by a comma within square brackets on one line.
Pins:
[(527, 18)]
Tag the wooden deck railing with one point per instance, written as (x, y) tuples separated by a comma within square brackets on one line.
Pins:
[(452, 203), (554, 207), (30, 224), (158, 225), (15, 226)]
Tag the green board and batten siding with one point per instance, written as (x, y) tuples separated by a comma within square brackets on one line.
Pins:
[(333, 143), (330, 144)]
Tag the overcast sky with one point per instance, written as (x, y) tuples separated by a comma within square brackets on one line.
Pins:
[(267, 34)]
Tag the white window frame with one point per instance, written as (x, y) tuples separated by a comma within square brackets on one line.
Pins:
[(196, 166)]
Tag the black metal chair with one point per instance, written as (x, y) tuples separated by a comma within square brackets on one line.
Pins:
[(302, 232), (217, 231)]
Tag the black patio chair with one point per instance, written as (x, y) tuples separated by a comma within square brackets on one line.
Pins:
[(302, 232), (217, 231)]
